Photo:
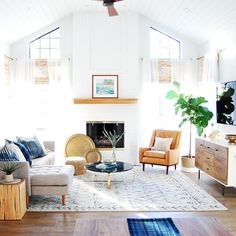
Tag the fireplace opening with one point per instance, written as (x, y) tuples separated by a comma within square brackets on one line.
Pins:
[(94, 129)]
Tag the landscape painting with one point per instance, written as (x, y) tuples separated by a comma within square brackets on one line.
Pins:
[(105, 86)]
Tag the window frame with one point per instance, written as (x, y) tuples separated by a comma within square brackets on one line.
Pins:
[(167, 35), (49, 48)]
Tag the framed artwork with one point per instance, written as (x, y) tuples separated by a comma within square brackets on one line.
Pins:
[(105, 86)]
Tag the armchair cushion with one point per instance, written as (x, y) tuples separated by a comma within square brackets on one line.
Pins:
[(162, 144), (155, 154)]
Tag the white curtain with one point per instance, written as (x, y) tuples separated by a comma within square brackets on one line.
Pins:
[(148, 117), (211, 67), (38, 106)]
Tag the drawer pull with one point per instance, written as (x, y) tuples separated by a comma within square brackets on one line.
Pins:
[(207, 168), (208, 147), (217, 150), (208, 158)]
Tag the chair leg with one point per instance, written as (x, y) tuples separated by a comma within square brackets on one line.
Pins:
[(167, 169), (152, 165), (63, 198), (175, 166), (27, 200), (143, 167)]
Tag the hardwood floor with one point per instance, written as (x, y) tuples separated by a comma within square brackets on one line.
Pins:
[(55, 224)]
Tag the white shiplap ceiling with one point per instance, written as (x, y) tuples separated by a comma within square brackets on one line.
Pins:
[(194, 19)]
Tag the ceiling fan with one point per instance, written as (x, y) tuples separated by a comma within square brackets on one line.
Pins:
[(110, 6)]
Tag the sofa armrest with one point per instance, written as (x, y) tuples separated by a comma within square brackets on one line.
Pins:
[(22, 173)]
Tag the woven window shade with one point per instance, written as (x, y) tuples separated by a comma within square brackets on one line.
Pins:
[(7, 65), (164, 70), (41, 75)]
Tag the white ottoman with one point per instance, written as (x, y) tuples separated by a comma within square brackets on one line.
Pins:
[(51, 180)]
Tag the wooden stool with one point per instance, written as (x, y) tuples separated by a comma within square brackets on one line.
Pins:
[(12, 201), (78, 163)]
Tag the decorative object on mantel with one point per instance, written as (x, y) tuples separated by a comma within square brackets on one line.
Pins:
[(192, 111), (105, 100), (105, 86), (231, 138), (8, 169), (114, 138)]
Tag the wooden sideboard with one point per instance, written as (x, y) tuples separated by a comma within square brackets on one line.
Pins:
[(217, 158)]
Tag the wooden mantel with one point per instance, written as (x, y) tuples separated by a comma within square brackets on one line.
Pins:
[(105, 100)]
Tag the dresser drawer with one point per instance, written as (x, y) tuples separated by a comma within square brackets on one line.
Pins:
[(208, 158), (221, 169), (220, 150), (208, 169)]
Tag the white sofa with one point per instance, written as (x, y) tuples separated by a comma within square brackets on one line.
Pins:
[(43, 177)]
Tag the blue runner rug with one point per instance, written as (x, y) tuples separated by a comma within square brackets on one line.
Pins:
[(152, 227)]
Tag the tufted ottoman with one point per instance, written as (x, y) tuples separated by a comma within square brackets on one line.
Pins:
[(51, 180)]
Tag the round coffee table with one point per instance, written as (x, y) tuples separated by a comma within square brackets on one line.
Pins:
[(102, 168)]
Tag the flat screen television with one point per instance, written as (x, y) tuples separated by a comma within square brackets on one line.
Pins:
[(226, 103)]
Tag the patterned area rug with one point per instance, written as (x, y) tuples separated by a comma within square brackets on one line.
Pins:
[(136, 190)]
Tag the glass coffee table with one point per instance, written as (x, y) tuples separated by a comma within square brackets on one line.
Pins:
[(109, 169)]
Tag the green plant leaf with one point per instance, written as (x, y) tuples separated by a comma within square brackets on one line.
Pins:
[(177, 85), (171, 94)]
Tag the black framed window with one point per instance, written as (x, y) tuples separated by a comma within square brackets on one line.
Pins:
[(46, 46)]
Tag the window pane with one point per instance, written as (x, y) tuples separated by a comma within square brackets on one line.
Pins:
[(54, 53), (34, 53), (34, 44), (44, 43), (54, 43), (44, 53), (41, 47), (55, 34)]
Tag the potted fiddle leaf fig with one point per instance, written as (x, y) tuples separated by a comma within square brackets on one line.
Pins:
[(8, 169), (192, 111)]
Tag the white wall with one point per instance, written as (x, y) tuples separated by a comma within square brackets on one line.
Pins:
[(226, 43), (20, 49), (99, 44), (103, 45)]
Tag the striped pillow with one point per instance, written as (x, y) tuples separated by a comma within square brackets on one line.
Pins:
[(7, 154), (33, 146), (22, 149)]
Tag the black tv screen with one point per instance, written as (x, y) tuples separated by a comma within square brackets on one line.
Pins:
[(226, 103)]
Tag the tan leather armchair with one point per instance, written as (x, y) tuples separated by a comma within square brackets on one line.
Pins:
[(163, 158)]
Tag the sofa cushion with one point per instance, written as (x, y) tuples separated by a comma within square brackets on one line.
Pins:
[(22, 149), (7, 154), (155, 154), (48, 159), (33, 146), (51, 175)]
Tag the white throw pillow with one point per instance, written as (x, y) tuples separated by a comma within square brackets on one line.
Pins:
[(162, 144), (17, 151)]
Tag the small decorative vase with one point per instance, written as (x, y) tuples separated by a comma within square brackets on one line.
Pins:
[(113, 155), (9, 178)]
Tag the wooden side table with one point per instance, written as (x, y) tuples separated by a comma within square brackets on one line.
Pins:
[(12, 201)]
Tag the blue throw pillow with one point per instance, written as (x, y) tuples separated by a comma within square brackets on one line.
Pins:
[(6, 154), (23, 150), (33, 146)]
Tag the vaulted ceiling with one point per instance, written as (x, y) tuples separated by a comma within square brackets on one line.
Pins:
[(194, 19)]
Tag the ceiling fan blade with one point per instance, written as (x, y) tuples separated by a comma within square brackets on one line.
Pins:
[(112, 11)]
